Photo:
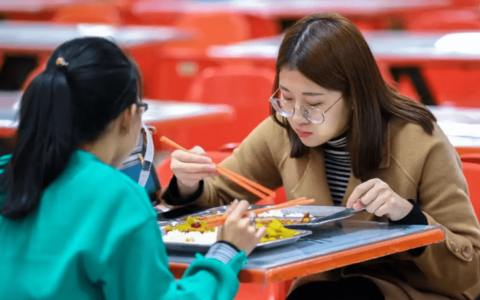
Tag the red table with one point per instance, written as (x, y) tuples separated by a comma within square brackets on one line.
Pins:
[(289, 8), (398, 49), (39, 6), (160, 114), (326, 249)]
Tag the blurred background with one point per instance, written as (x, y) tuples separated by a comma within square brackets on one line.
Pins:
[(208, 65)]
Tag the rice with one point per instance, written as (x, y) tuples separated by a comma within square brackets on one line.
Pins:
[(278, 214), (295, 215), (176, 236), (271, 213)]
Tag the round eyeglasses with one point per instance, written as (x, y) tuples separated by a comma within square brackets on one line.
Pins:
[(142, 105), (287, 109)]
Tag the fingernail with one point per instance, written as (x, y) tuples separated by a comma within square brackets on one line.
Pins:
[(208, 160), (357, 206)]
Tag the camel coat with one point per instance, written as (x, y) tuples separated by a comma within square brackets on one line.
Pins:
[(416, 166)]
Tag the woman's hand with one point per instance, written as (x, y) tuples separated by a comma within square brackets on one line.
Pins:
[(190, 169), (240, 231), (379, 199)]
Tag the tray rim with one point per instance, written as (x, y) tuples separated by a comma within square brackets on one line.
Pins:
[(204, 247), (214, 210)]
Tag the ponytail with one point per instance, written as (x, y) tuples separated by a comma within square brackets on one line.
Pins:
[(87, 84), (44, 143)]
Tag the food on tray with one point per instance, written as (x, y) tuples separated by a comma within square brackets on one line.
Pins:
[(191, 225), (285, 220), (275, 231), (194, 231)]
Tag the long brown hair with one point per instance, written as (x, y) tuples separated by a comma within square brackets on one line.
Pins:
[(330, 51)]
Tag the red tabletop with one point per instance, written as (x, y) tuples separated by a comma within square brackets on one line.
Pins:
[(160, 114), (289, 8), (44, 37), (324, 250), (39, 6)]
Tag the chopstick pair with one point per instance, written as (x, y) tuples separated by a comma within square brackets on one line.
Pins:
[(253, 187), (219, 221)]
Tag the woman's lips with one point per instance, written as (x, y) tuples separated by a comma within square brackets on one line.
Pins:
[(303, 134)]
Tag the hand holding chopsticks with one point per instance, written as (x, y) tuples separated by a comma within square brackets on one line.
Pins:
[(251, 186), (239, 231)]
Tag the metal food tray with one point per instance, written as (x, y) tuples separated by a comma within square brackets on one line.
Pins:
[(316, 213), (194, 247)]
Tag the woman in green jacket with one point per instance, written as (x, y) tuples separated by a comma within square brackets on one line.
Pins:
[(71, 225)]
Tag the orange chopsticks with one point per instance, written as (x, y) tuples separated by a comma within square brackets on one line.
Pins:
[(219, 221), (253, 187)]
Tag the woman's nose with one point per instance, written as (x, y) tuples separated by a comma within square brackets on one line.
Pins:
[(298, 117)]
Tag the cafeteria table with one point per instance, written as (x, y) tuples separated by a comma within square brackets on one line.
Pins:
[(160, 114), (288, 8), (43, 37), (39, 6), (329, 247), (461, 125), (400, 49)]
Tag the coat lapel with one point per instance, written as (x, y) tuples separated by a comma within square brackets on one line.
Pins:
[(313, 183)]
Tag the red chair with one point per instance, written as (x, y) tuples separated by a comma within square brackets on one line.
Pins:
[(404, 86), (472, 174), (180, 62), (175, 71), (95, 13), (244, 87), (473, 158), (262, 26), (451, 86), (445, 20), (212, 29)]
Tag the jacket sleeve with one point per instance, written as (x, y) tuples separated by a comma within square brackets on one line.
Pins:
[(253, 160), (443, 198), (138, 269)]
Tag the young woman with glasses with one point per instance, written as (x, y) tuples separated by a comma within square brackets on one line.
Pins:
[(74, 227), (339, 134)]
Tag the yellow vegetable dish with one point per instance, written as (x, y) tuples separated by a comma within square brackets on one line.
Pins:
[(192, 224), (275, 231)]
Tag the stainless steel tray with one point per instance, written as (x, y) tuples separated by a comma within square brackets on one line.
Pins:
[(193, 247), (316, 212)]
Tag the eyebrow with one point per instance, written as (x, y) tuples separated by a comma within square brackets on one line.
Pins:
[(305, 93)]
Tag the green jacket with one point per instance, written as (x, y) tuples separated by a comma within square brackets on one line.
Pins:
[(95, 236)]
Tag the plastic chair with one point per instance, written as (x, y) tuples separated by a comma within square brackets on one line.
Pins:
[(212, 29), (262, 26), (175, 71), (94, 13), (472, 175), (179, 62), (473, 158), (457, 86), (445, 20), (246, 88), (404, 85)]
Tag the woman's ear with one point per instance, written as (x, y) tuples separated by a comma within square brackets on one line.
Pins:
[(127, 117)]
